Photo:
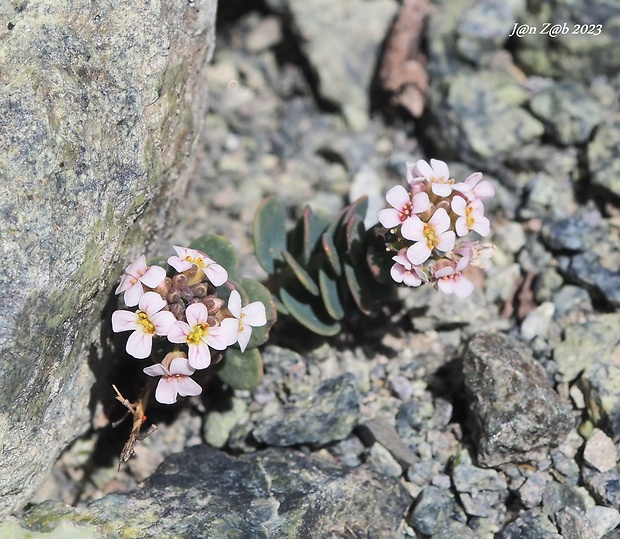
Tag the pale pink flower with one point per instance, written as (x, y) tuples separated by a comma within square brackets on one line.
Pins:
[(479, 190), (403, 271), (417, 182), (248, 317), (438, 175), (450, 280), (135, 276), (477, 253), (471, 216), (199, 335), (428, 236), (403, 206), (174, 381), (149, 320), (186, 258)]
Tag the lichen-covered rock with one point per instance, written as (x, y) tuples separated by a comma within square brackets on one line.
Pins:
[(203, 492), (98, 105), (603, 161), (338, 38), (515, 413), (568, 112)]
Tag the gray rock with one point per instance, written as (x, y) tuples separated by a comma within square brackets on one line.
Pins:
[(380, 430), (586, 269), (339, 38), (571, 234), (568, 54), (602, 519), (101, 112), (558, 496), (454, 529), (604, 486), (515, 414), (537, 321), (596, 338), (204, 492), (600, 452), (480, 116), (484, 28), (602, 161), (568, 112), (573, 524), (530, 525), (572, 298), (381, 461), (328, 415), (481, 492), (531, 492), (433, 510)]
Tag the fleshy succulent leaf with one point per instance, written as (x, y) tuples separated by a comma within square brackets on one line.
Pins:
[(241, 370), (355, 232), (330, 296), (219, 249), (331, 253), (304, 310), (302, 275), (355, 282), (270, 233), (314, 224)]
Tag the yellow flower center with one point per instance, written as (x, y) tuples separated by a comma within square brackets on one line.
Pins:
[(145, 322), (197, 333), (429, 234), (468, 217)]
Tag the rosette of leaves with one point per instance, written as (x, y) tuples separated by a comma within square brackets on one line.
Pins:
[(321, 264), (239, 370)]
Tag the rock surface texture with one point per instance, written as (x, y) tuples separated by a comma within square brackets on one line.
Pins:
[(98, 105)]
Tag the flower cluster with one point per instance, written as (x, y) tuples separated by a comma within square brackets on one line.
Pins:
[(429, 223), (184, 309)]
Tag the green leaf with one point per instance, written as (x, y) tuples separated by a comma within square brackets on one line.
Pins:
[(307, 315), (314, 224), (355, 281), (302, 275), (223, 291), (219, 249), (269, 231), (257, 292), (330, 296), (355, 233), (330, 252), (241, 370), (357, 207)]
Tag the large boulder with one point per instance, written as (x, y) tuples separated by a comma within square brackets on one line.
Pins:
[(100, 105)]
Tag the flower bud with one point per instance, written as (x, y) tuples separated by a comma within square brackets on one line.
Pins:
[(187, 294), (200, 290), (174, 296), (212, 321), (171, 356), (180, 281), (164, 287), (178, 310), (213, 304)]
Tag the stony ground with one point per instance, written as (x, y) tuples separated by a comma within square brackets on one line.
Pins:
[(499, 415)]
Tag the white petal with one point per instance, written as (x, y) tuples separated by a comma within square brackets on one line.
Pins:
[(178, 332), (163, 321), (398, 197), (196, 314), (389, 217), (154, 276), (461, 226), (124, 321), (425, 169), (421, 203), (441, 189), (463, 287), (156, 370), (440, 168), (151, 303), (188, 387), (133, 295), (180, 365), (139, 344), (234, 303), (127, 281), (413, 229), (199, 356), (446, 241), (231, 327), (218, 337), (137, 268), (418, 253), (179, 264), (216, 274), (440, 221), (458, 205), (482, 226), (244, 337), (254, 314), (166, 391)]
